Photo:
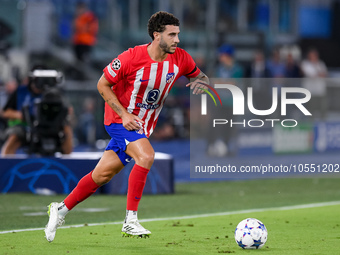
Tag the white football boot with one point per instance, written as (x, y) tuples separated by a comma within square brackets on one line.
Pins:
[(54, 221), (134, 228)]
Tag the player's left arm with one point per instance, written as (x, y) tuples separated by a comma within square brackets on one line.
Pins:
[(198, 83)]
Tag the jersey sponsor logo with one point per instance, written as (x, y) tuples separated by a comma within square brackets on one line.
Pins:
[(144, 80), (116, 64), (147, 106), (170, 77), (152, 96)]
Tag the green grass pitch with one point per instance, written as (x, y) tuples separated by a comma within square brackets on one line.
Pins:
[(314, 230)]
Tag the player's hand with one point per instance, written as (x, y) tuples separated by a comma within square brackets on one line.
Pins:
[(131, 122), (198, 86)]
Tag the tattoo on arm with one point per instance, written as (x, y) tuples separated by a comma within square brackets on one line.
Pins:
[(202, 76), (116, 107)]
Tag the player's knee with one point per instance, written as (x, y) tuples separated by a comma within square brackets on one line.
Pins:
[(103, 179), (146, 159)]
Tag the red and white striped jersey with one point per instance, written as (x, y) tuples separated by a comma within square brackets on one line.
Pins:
[(142, 85)]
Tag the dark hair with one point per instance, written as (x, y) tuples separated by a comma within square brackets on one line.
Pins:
[(159, 20)]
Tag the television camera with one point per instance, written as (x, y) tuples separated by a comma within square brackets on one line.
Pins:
[(47, 117)]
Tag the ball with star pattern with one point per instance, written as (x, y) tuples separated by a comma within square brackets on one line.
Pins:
[(251, 234)]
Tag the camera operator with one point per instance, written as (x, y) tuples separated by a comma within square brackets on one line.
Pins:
[(22, 110)]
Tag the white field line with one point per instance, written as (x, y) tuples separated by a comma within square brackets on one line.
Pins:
[(283, 208)]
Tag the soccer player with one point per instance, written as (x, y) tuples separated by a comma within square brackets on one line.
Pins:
[(134, 86)]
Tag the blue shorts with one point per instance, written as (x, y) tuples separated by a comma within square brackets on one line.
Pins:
[(120, 138)]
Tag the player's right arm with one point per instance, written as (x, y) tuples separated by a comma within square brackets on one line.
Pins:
[(129, 120)]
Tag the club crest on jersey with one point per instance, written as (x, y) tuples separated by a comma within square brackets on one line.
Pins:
[(116, 64), (170, 77)]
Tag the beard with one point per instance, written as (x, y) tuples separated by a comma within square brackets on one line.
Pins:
[(165, 47)]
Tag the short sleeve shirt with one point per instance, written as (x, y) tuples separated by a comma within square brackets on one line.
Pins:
[(142, 84)]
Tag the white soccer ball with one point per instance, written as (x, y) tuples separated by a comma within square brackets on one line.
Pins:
[(251, 234)]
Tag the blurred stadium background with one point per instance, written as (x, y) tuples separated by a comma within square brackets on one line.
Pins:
[(40, 31)]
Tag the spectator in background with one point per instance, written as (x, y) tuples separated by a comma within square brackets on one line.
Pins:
[(258, 68), (277, 72), (201, 62), (87, 123), (293, 73), (275, 66), (85, 32), (228, 68), (314, 71), (292, 69)]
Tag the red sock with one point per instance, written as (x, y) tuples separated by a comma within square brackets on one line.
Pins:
[(85, 188), (137, 182)]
